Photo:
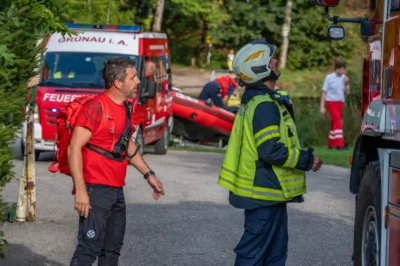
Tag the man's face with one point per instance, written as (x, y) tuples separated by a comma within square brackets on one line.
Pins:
[(131, 82), (341, 71), (273, 65)]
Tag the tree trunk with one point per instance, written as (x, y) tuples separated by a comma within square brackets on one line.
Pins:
[(158, 16), (285, 34), (22, 195), (89, 4), (30, 169), (108, 12)]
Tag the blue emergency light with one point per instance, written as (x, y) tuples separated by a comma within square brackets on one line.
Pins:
[(125, 28)]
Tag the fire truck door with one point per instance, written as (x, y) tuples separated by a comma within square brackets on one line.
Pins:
[(390, 229)]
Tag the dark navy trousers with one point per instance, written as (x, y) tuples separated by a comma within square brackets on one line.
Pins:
[(101, 234), (212, 90), (265, 238)]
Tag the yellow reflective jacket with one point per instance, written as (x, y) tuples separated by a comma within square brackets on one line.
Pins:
[(238, 168)]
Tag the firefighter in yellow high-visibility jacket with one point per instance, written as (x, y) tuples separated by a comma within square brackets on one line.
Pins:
[(264, 166)]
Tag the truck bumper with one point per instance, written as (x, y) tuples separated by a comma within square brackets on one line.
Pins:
[(39, 143)]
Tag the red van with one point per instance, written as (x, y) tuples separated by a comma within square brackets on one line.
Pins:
[(73, 67)]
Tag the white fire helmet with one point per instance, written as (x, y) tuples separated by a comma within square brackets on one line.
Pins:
[(251, 62)]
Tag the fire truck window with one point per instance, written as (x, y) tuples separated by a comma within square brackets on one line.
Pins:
[(395, 5), (158, 74), (166, 72), (373, 5), (148, 72), (75, 70)]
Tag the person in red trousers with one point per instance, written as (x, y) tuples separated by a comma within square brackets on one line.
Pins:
[(336, 84)]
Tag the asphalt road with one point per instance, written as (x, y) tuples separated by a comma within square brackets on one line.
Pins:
[(193, 224)]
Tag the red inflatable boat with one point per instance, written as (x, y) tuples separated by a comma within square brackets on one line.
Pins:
[(197, 121)]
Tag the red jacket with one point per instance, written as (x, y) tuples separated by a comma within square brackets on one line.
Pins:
[(225, 81)]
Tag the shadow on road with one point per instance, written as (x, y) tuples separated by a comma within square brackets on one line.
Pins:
[(20, 255), (187, 233)]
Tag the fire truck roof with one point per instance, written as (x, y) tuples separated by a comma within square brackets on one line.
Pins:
[(104, 27)]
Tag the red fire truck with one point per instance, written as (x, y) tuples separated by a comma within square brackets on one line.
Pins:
[(375, 169), (73, 67)]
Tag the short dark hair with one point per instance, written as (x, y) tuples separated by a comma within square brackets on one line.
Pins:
[(339, 65), (115, 68)]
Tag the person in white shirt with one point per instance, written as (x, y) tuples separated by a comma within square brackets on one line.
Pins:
[(336, 84), (230, 58)]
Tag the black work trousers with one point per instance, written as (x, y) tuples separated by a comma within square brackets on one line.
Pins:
[(101, 234)]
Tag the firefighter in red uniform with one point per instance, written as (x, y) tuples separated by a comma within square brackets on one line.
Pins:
[(98, 176), (228, 86), (219, 90)]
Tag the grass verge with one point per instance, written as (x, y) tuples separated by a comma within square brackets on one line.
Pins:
[(331, 157), (334, 157)]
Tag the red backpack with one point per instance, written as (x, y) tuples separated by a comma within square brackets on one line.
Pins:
[(65, 125)]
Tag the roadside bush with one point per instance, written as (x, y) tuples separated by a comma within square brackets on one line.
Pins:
[(22, 24)]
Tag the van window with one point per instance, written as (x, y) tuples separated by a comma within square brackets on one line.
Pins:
[(373, 5), (150, 72), (395, 5), (76, 70), (166, 72), (159, 73)]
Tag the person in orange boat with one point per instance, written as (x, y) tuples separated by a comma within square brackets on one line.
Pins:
[(218, 90), (228, 86)]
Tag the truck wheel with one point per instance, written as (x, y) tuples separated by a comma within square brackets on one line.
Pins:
[(140, 140), (161, 146), (367, 224)]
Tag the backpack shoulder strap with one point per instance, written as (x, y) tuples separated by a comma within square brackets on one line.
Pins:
[(129, 112), (105, 113)]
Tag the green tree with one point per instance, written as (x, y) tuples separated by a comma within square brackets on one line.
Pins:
[(23, 26), (187, 23)]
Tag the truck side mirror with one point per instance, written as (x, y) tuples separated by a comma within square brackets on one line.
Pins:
[(151, 87), (335, 32), (327, 3)]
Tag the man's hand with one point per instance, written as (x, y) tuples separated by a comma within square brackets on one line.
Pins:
[(157, 186), (82, 204), (322, 110), (346, 81), (316, 164), (33, 81)]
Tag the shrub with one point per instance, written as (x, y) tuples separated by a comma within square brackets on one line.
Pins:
[(22, 25)]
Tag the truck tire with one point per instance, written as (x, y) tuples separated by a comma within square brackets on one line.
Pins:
[(161, 145), (367, 224)]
